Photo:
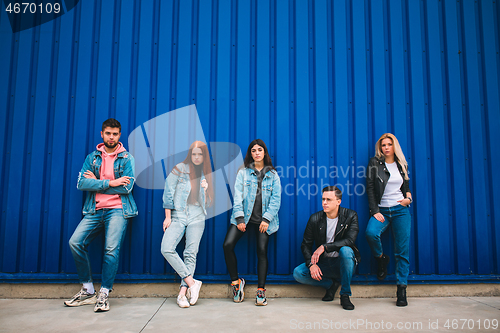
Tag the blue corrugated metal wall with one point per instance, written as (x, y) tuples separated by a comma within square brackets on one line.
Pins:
[(319, 81)]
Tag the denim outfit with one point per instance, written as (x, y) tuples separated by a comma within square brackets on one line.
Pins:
[(245, 191), (397, 216), (339, 268), (124, 165), (187, 219), (112, 221), (400, 220), (190, 222), (245, 195)]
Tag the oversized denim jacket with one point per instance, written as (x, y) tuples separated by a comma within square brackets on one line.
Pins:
[(124, 165), (245, 191), (178, 187)]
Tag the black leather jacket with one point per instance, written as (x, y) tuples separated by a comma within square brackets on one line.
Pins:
[(345, 233), (376, 181)]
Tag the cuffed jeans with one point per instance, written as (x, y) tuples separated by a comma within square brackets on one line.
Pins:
[(400, 220), (192, 223), (333, 269), (114, 225)]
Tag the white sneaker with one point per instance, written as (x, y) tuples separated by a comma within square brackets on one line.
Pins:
[(82, 298), (182, 301), (194, 291), (102, 303)]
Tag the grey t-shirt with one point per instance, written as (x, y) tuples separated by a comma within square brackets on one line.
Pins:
[(330, 234)]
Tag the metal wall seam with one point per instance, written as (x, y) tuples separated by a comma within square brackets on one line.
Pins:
[(490, 65), (437, 134), (302, 124), (42, 102), (360, 101), (7, 56), (475, 126), (283, 109), (457, 136)]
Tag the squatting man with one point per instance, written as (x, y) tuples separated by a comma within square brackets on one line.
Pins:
[(333, 230)]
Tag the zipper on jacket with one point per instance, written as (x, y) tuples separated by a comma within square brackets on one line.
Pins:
[(341, 229)]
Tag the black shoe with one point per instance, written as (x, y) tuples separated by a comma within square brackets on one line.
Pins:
[(401, 293), (330, 292), (346, 302), (382, 263)]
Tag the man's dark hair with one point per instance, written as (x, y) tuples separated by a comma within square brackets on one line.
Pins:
[(338, 192), (112, 123)]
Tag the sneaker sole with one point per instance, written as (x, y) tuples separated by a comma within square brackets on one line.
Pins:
[(101, 309), (261, 303), (88, 301)]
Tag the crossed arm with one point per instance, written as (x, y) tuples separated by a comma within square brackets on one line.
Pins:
[(87, 180)]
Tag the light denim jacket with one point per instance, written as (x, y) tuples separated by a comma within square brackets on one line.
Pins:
[(245, 191), (124, 165), (178, 187)]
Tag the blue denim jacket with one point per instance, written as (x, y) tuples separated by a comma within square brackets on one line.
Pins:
[(245, 191), (124, 165), (178, 187)]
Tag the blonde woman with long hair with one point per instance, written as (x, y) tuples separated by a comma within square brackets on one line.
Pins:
[(389, 196)]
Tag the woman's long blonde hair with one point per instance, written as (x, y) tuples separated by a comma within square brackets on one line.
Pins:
[(398, 152)]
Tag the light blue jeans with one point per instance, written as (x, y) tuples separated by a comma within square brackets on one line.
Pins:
[(400, 220), (114, 225), (339, 269), (191, 223)]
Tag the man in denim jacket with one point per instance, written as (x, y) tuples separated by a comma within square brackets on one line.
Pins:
[(107, 176)]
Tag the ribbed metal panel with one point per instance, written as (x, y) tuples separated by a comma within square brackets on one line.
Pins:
[(319, 81)]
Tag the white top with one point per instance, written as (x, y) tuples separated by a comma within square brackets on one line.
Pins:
[(330, 235), (392, 191)]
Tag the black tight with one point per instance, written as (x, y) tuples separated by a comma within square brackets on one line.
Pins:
[(232, 237)]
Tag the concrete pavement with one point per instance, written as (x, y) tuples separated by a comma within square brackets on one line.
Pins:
[(423, 314)]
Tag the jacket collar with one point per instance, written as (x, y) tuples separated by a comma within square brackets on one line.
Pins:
[(122, 154), (266, 169), (382, 161), (340, 222)]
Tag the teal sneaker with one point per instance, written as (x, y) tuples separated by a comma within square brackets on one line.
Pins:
[(261, 297), (238, 293)]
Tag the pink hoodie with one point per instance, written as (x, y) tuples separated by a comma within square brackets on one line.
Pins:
[(107, 172)]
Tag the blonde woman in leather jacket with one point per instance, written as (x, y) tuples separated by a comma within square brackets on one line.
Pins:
[(389, 197)]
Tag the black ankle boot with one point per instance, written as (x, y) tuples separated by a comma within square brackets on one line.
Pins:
[(330, 292), (346, 302), (401, 293), (382, 263)]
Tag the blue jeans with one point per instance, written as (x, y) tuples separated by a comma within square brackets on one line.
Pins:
[(400, 220), (192, 223), (333, 269), (114, 225)]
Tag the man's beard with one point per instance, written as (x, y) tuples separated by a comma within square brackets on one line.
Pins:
[(110, 146)]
